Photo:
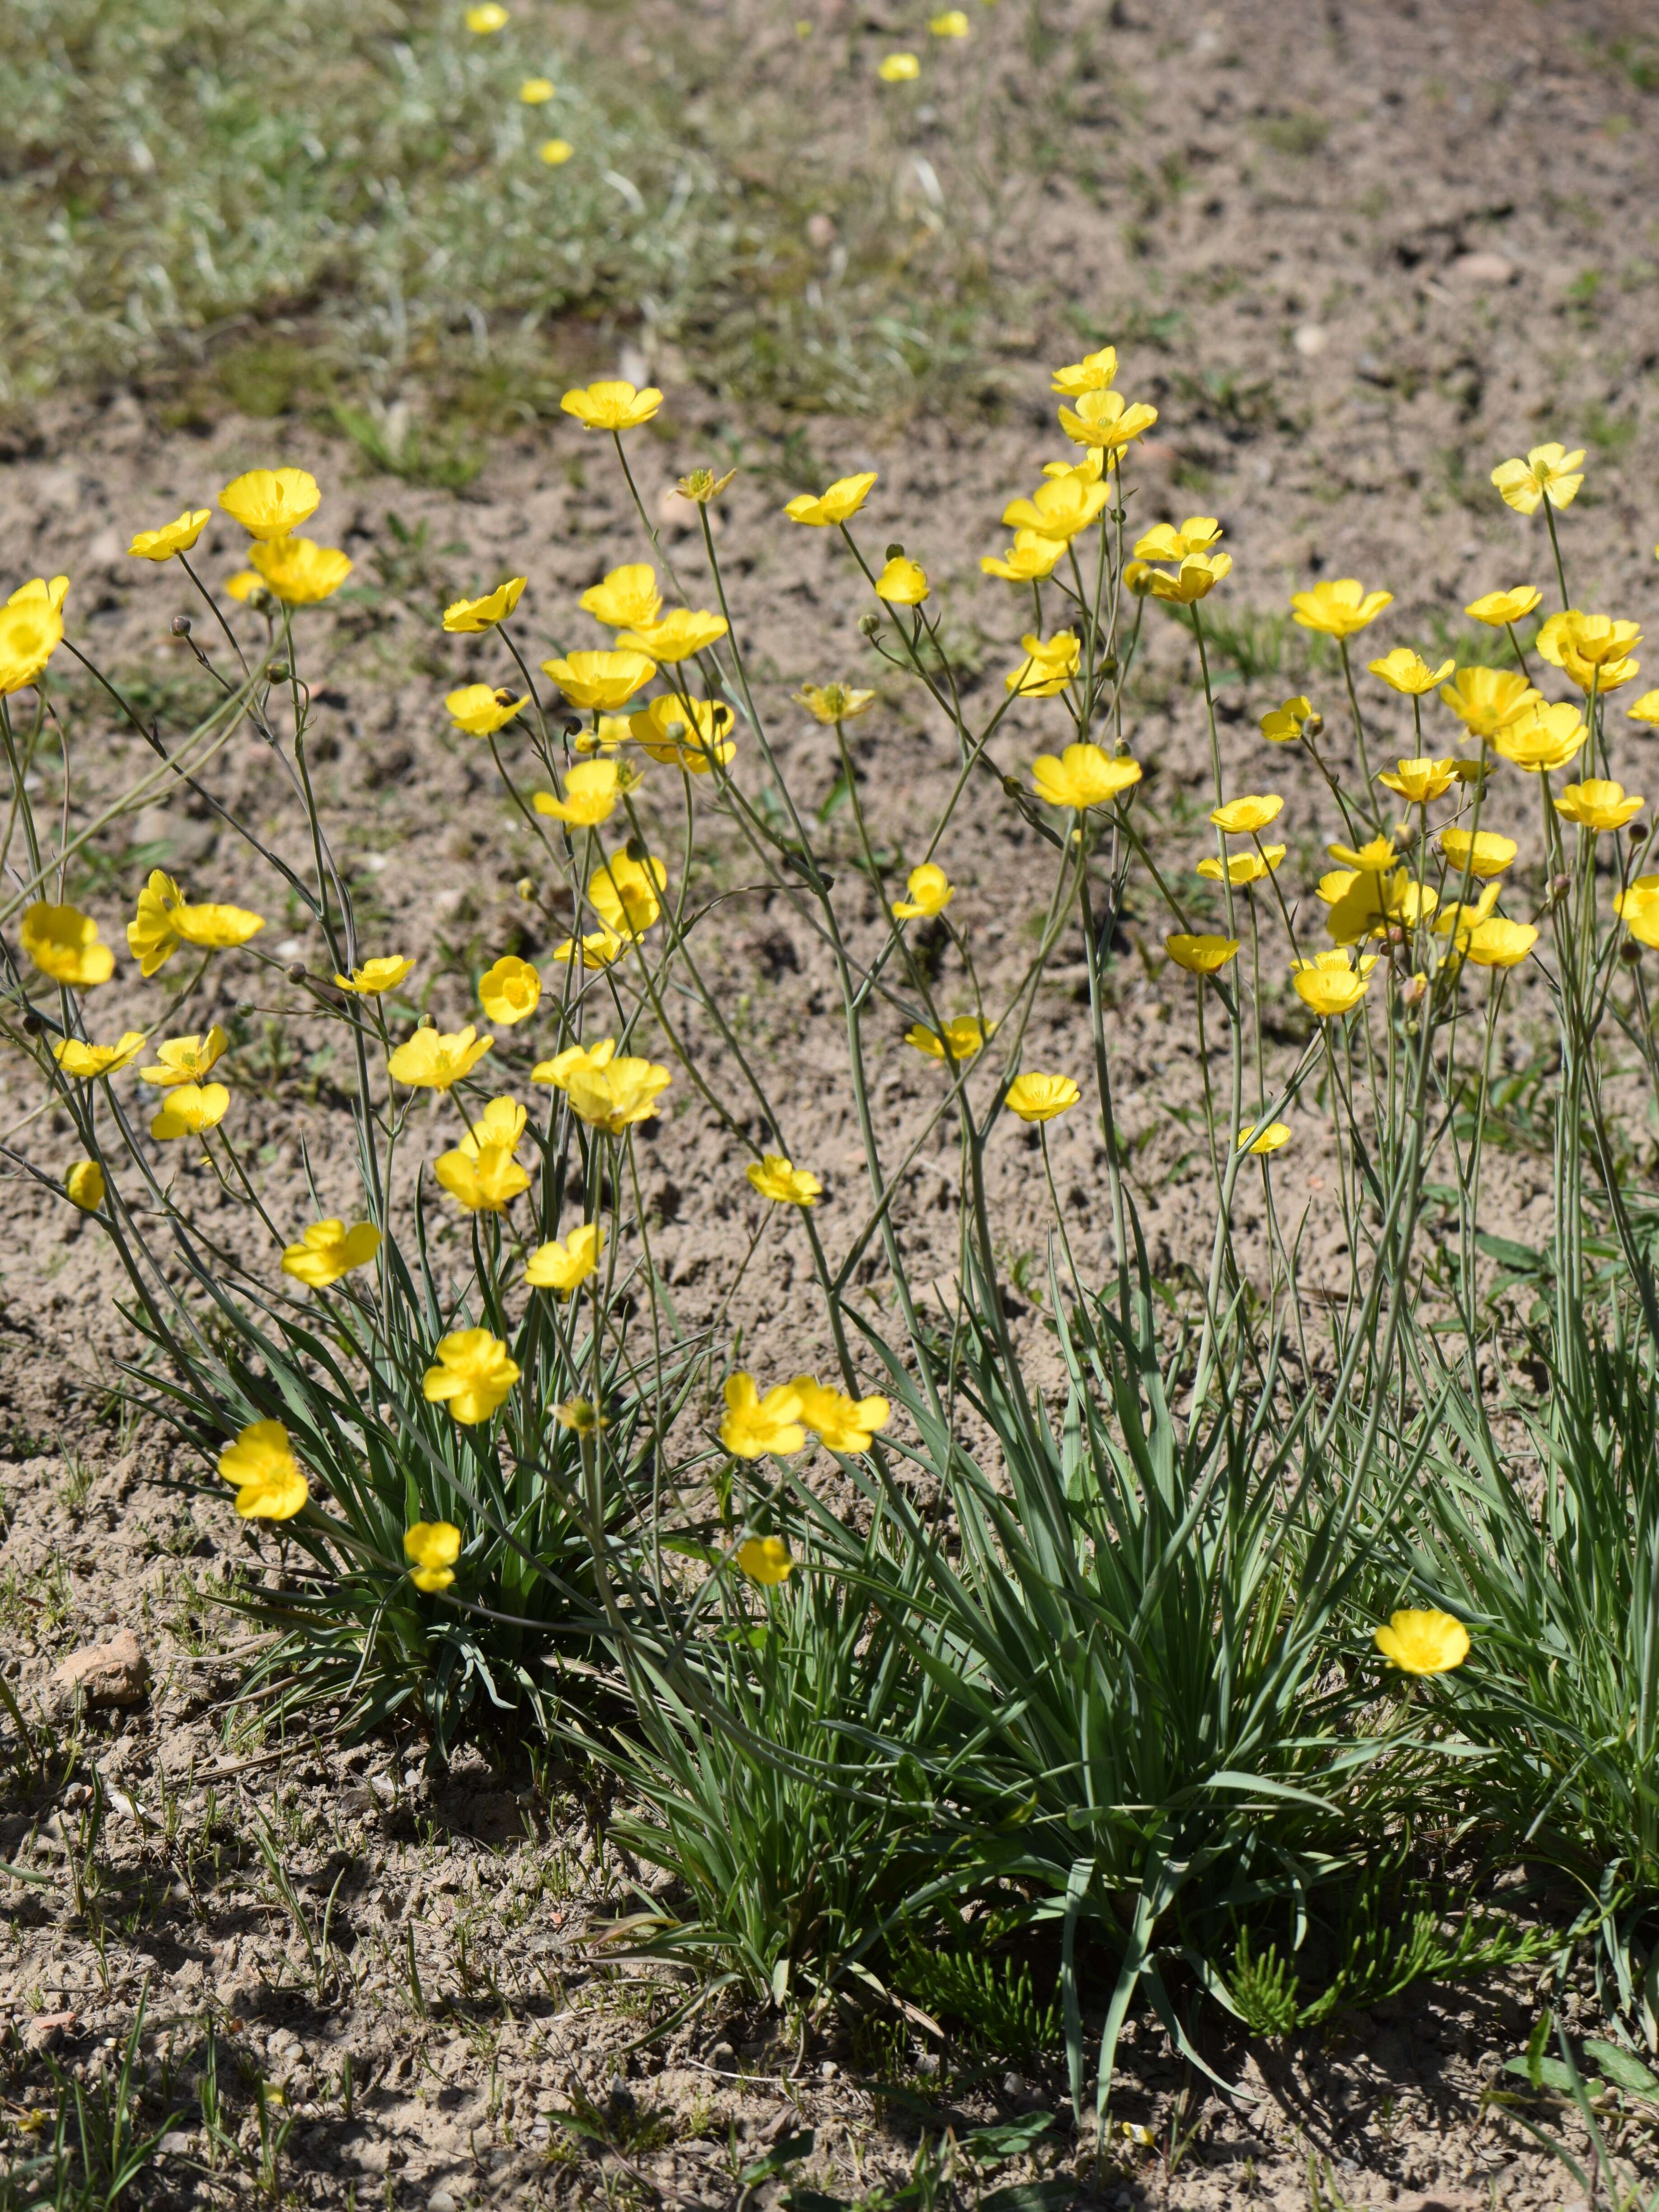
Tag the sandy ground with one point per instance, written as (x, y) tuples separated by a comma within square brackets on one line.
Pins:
[(1355, 258)]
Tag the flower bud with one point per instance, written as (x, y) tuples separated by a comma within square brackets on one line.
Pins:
[(573, 728), (278, 671), (296, 971), (1559, 886), (1314, 726), (525, 889), (869, 624), (1630, 950), (1109, 667), (1414, 992), (895, 552), (32, 1023), (244, 1008), (181, 625), (506, 694)]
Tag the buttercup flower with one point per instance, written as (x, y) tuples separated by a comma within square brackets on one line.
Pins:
[(473, 1376), (1594, 650), (171, 538), (1372, 899), (509, 991), (83, 1061), (1049, 666), (596, 950), (1402, 670), (1269, 1137), (664, 732), (931, 891), (1599, 805), (840, 1424), (64, 944), (537, 91), (952, 24), (964, 1035), (1646, 709), (765, 1560), (481, 710), (31, 631), (188, 1110), (1339, 607), (1497, 609), (606, 681), (1374, 856), (1420, 781), (1201, 955), (1482, 854), (502, 1122), (903, 583), (785, 1184), (328, 1249), (590, 795), (1285, 724), (1095, 371), (1028, 559), (1034, 1097), (755, 1427), (612, 405), (625, 891), (1457, 920), (1331, 984), (484, 1179), (166, 920), (376, 976), (565, 1267), (614, 1098), (1548, 472), (299, 571), (1637, 907), (185, 1060), (1106, 421), (1242, 867), (266, 1475), (466, 617), (1196, 578), (627, 598), (1488, 700), (488, 16), (575, 1060), (839, 503), (554, 152), (1242, 818), (269, 503), (581, 1415), (430, 1060), (432, 1547), (681, 632), (83, 1186), (1546, 739), (1199, 534), (1496, 943), (1426, 1641), (830, 703), (41, 592), (898, 68), (1059, 507)]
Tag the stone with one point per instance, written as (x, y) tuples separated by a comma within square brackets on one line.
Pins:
[(113, 1673), (47, 2030), (1310, 339), (1483, 269)]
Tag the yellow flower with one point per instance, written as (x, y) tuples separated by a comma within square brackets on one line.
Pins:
[(1095, 371), (83, 1061), (575, 1060), (537, 91), (1457, 920), (556, 152), (376, 976), (1049, 665), (433, 1547), (31, 631), (1243, 867), (1402, 670), (703, 484), (1426, 1641), (1646, 709), (840, 1424), (1199, 534), (328, 1249), (1547, 472), (614, 1098), (625, 893), (243, 584), (903, 583), (83, 1186), (1037, 1097), (626, 597), (683, 632), (189, 1109), (502, 1122), (299, 571), (1373, 857), (1497, 609), (268, 503), (1242, 818), (931, 891), (1285, 724), (606, 681), (1496, 943), (185, 1059), (952, 24), (466, 617), (481, 710), (609, 731), (484, 1179), (765, 1560), (64, 944), (590, 795), (1268, 1137), (782, 1182), (898, 68), (581, 1415), (613, 404), (964, 1036), (1197, 577), (1599, 805), (1106, 421), (1201, 955), (664, 732), (565, 1267), (834, 703), (1637, 907), (596, 950), (266, 1475), (1339, 607), (1330, 984), (431, 1061), (1373, 899), (1488, 700), (839, 503), (473, 1376), (1482, 854), (173, 536), (1028, 559), (38, 591), (1418, 781), (1592, 649), (166, 920), (754, 1425), (489, 15), (1548, 739), (1059, 507), (509, 991)]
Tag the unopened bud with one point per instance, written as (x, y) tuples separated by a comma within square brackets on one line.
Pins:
[(1109, 663), (32, 1023), (1414, 992), (181, 625), (278, 671), (527, 889), (1012, 785), (1559, 886), (1630, 950), (1636, 832), (869, 624), (573, 728), (244, 1008), (427, 1022), (505, 696), (1314, 726), (895, 552), (296, 971)]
